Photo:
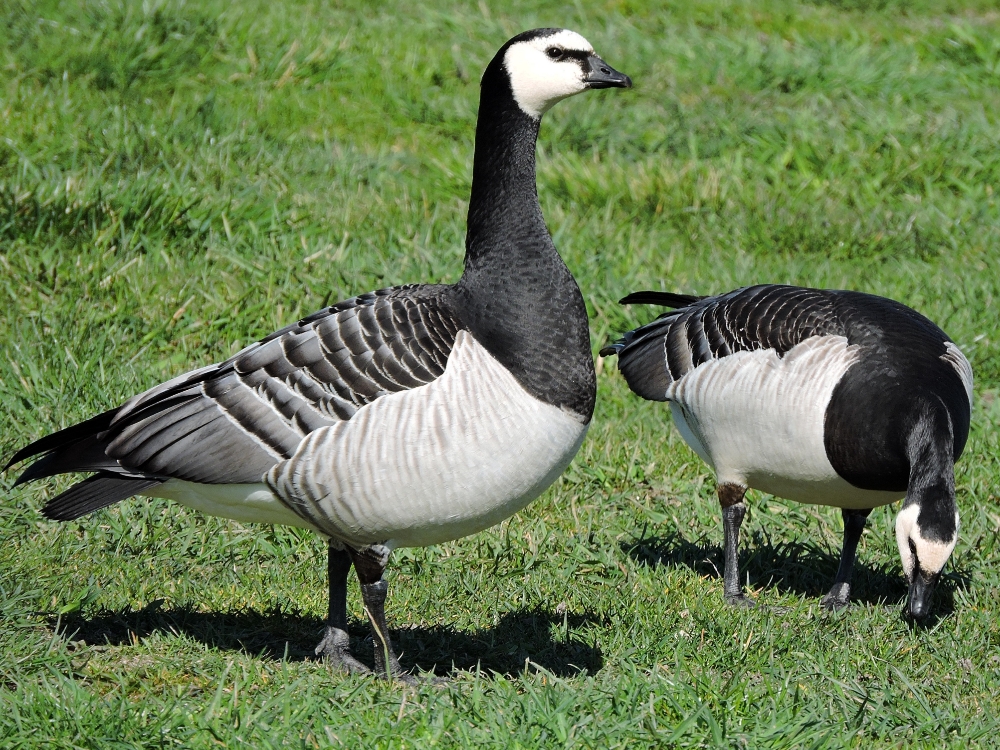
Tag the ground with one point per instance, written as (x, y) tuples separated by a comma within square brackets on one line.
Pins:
[(178, 179)]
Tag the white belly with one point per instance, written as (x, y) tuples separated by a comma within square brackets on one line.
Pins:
[(249, 503), (434, 463), (758, 420)]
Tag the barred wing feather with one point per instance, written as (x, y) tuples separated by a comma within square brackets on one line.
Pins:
[(762, 317), (231, 422)]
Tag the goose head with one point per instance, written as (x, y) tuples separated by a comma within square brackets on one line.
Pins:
[(544, 66), (925, 544)]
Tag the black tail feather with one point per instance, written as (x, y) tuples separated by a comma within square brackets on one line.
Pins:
[(84, 455), (94, 493), (665, 299), (60, 439)]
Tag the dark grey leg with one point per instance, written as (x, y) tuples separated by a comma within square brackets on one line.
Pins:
[(336, 644), (854, 523), (370, 564), (733, 510)]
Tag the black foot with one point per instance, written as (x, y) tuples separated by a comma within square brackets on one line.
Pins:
[(740, 600), (396, 674), (336, 649), (429, 678), (838, 598)]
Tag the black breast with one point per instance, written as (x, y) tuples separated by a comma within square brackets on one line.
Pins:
[(899, 374)]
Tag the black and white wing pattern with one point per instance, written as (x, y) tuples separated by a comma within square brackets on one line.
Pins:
[(872, 362), (230, 423), (705, 328)]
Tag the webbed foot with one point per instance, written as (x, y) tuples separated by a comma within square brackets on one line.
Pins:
[(838, 598), (740, 600), (335, 648)]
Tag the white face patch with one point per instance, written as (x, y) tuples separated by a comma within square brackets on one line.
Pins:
[(538, 81), (932, 555)]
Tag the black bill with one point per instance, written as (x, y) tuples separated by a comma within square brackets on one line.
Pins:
[(599, 75), (921, 591)]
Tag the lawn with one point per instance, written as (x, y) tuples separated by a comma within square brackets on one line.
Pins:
[(180, 178)]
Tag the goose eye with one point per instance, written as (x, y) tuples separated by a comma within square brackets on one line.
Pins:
[(554, 52)]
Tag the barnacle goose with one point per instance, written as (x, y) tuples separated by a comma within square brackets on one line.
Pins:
[(404, 417), (828, 397)]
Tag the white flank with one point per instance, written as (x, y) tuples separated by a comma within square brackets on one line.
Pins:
[(931, 554), (434, 463), (758, 420), (953, 356), (249, 503), (537, 80)]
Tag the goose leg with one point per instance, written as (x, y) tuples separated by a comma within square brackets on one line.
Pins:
[(839, 595), (336, 644), (733, 510), (370, 565)]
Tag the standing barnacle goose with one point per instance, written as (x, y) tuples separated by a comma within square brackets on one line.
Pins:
[(406, 417), (827, 397)]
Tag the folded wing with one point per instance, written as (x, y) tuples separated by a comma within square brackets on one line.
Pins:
[(231, 422), (702, 329)]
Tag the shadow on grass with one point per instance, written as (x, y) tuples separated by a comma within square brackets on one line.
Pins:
[(799, 568), (503, 649)]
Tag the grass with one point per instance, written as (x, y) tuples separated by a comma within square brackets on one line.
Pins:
[(178, 179)]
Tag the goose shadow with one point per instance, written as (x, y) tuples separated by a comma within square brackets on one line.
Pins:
[(801, 568), (546, 639)]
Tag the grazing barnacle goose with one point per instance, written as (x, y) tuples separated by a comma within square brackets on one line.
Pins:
[(828, 397), (405, 417)]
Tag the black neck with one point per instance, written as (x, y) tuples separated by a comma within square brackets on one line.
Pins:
[(504, 215), (930, 448), (516, 296)]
